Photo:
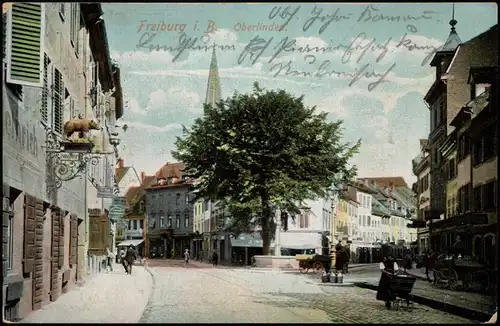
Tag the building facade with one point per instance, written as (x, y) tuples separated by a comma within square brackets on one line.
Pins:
[(44, 209), (421, 169), (169, 208), (471, 150)]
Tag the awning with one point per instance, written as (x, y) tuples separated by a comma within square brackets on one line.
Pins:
[(463, 220), (417, 224), (127, 243), (253, 240), (299, 247)]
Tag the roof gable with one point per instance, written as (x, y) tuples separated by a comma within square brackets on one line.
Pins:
[(171, 170)]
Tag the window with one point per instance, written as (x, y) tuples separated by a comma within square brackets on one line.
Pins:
[(129, 224), (24, 60), (169, 222), (463, 198), (484, 146), (141, 224), (57, 102), (178, 221), (368, 220), (364, 220), (478, 89), (134, 224), (141, 206), (186, 220), (187, 199), (61, 11), (484, 197), (75, 27), (177, 199), (9, 234), (463, 147), (162, 221)]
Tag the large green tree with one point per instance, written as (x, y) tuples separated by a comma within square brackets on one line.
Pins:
[(259, 151)]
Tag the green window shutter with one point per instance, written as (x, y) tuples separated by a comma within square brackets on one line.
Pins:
[(4, 42), (25, 44), (44, 109), (58, 102)]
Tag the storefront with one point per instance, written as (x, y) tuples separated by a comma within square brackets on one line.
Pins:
[(138, 245), (470, 228)]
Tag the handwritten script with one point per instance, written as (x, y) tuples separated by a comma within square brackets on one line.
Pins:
[(362, 51)]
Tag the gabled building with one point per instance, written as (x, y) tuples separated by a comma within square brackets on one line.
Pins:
[(471, 150), (169, 208), (440, 101), (51, 54), (421, 169), (126, 177), (135, 229)]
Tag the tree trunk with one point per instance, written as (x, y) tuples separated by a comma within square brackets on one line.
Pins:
[(266, 215)]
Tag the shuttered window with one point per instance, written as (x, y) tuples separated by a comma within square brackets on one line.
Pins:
[(58, 102), (62, 11), (75, 27), (4, 42), (26, 44), (44, 109), (72, 109)]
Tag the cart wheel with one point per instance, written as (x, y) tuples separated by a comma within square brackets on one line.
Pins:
[(409, 306), (454, 285), (303, 270), (396, 305), (318, 267)]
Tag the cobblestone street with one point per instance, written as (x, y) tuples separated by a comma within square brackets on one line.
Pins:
[(202, 293)]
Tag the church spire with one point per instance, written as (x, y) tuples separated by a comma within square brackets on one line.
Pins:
[(213, 86), (453, 40)]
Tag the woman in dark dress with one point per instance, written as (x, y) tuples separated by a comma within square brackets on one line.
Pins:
[(388, 267)]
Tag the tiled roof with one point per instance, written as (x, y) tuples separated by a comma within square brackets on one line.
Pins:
[(132, 193), (388, 181), (136, 193), (379, 209), (171, 170), (120, 173)]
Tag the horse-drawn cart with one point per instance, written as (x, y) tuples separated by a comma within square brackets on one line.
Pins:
[(314, 262)]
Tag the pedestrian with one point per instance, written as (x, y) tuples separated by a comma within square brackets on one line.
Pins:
[(123, 261), (186, 257), (215, 258), (130, 258), (110, 257), (388, 266), (201, 256)]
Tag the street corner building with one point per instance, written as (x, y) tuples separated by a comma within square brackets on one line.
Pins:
[(53, 184), (457, 169)]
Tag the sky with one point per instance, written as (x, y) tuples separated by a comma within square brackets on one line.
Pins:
[(365, 64)]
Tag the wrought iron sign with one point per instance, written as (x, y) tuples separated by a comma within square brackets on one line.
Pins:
[(70, 159)]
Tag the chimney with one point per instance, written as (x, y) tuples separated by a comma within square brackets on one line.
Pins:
[(120, 163), (143, 175)]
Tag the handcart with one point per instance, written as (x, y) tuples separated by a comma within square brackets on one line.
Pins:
[(400, 287)]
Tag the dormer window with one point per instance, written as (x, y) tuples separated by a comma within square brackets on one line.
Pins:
[(478, 89), (141, 206)]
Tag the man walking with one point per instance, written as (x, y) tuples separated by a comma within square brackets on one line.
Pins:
[(130, 258), (186, 257), (123, 261), (109, 259)]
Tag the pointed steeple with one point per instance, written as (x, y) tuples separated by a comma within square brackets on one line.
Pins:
[(213, 85), (453, 40)]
